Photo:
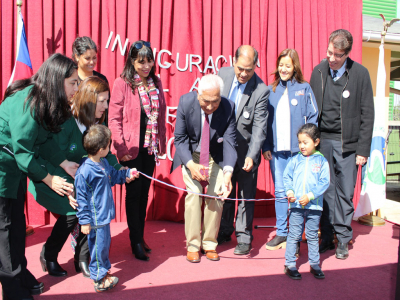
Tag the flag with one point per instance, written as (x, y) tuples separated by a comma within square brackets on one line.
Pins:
[(373, 191), (23, 65)]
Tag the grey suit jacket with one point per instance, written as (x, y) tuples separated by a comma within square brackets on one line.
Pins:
[(251, 131)]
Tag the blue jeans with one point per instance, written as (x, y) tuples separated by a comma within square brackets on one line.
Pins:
[(296, 221), (278, 164), (99, 241)]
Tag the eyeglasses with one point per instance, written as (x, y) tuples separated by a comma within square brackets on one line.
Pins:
[(139, 45), (338, 56)]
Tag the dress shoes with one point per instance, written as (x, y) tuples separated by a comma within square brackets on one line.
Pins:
[(342, 251), (317, 273), (140, 252), (242, 249), (211, 254), (223, 238), (325, 246), (276, 243), (82, 266), (293, 274), (52, 267), (37, 289), (146, 247), (193, 257)]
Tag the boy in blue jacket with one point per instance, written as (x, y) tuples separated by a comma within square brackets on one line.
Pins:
[(93, 182), (305, 178)]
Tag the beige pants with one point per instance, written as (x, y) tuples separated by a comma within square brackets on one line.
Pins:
[(196, 236)]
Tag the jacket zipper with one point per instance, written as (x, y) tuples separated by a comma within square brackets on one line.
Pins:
[(305, 176)]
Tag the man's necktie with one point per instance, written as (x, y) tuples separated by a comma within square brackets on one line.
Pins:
[(205, 148), (236, 95), (334, 74)]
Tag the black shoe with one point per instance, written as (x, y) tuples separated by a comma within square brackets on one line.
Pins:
[(82, 266), (140, 253), (317, 273), (293, 274), (325, 246), (276, 243), (242, 249), (37, 289), (146, 247), (223, 238), (52, 267), (297, 249), (342, 251)]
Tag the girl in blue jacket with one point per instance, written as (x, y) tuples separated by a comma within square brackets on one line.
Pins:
[(306, 178), (291, 104)]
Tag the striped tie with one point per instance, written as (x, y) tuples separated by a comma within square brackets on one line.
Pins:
[(205, 148)]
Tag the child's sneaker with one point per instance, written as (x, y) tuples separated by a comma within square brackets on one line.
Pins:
[(107, 283)]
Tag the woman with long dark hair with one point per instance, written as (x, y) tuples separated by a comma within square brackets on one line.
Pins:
[(31, 112), (137, 122), (291, 104), (89, 107)]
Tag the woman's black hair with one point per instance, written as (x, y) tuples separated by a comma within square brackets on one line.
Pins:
[(129, 71), (47, 99), (81, 45), (311, 130)]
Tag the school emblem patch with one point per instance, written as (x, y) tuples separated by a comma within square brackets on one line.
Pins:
[(299, 93), (316, 168), (72, 147)]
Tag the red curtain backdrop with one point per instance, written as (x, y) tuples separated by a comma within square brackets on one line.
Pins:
[(197, 30)]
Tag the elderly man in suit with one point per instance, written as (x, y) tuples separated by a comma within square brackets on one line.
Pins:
[(250, 95), (205, 148)]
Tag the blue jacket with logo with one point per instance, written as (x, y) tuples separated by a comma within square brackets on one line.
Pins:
[(307, 175), (93, 182), (303, 109)]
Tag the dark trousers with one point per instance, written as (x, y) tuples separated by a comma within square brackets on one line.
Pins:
[(247, 187), (59, 235), (338, 198), (14, 276), (137, 195)]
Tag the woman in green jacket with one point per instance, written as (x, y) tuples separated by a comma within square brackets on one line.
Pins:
[(33, 109), (89, 107)]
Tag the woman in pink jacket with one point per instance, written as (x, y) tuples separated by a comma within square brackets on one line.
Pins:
[(137, 122)]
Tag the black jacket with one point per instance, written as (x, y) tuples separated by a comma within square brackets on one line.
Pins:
[(356, 111)]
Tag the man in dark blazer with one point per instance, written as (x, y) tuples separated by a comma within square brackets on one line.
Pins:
[(250, 95), (193, 110)]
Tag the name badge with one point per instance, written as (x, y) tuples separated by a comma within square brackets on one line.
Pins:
[(246, 114), (294, 102), (346, 94), (220, 140)]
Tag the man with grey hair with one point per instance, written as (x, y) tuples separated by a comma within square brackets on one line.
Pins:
[(205, 141), (250, 95), (342, 88)]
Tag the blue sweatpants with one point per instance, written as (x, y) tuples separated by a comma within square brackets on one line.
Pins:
[(99, 241)]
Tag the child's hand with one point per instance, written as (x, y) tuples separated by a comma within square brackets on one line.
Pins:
[(304, 200), (86, 229), (291, 197), (134, 174)]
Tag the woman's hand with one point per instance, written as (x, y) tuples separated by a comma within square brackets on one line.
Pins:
[(70, 167), (267, 155), (59, 185), (73, 202), (126, 157), (86, 228)]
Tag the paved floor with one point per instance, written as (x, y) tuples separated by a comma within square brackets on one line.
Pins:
[(391, 207)]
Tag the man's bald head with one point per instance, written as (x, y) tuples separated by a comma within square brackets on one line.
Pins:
[(248, 51)]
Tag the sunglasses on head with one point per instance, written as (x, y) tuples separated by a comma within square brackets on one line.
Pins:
[(139, 45)]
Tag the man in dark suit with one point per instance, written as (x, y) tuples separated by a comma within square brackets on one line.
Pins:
[(250, 95), (205, 129)]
